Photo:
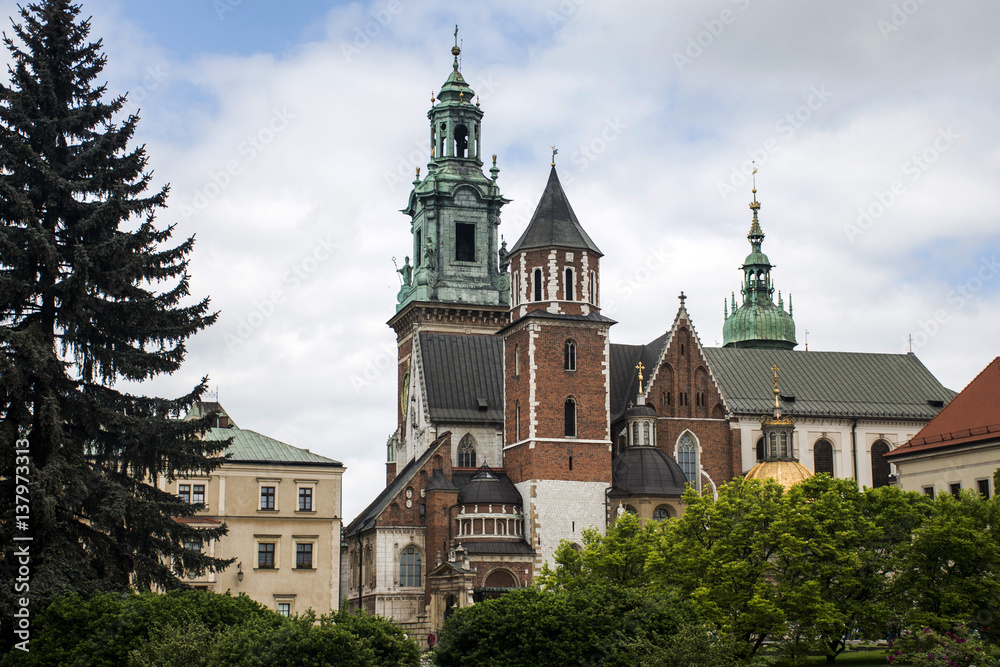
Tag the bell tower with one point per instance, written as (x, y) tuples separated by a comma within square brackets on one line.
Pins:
[(557, 444), (455, 279)]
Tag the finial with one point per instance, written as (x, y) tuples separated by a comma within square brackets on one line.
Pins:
[(461, 96), (554, 153), (494, 159), (477, 101), (754, 205), (433, 98), (775, 369), (418, 172), (682, 298), (455, 50), (432, 151), (639, 367)]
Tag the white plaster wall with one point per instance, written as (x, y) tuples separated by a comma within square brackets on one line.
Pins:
[(557, 510), (488, 441)]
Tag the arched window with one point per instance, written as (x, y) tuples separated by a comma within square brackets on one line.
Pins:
[(773, 442), (569, 356), (461, 141), (687, 457), (880, 467), (409, 567), (645, 434), (517, 360), (569, 285), (569, 415), (760, 448), (538, 284), (663, 512), (517, 421), (784, 444), (823, 457), (635, 434), (467, 452)]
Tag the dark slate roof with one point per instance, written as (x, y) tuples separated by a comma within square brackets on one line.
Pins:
[(554, 223), (368, 516), (829, 384), (646, 471), (486, 487), (542, 314), (460, 371), (497, 547), (438, 482), (624, 378)]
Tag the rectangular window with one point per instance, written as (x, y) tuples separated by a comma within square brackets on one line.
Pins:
[(929, 491), (198, 494), (305, 499), (465, 242), (193, 545), (984, 487), (285, 608), (265, 555), (303, 556), (267, 497), (184, 492), (955, 488)]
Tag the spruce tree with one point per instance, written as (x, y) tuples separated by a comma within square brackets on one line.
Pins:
[(92, 293)]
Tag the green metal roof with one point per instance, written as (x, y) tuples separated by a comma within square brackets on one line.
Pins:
[(828, 384), (250, 446)]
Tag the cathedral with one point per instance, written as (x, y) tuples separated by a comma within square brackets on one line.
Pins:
[(520, 423)]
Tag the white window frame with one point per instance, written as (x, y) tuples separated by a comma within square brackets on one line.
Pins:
[(261, 485), (267, 539)]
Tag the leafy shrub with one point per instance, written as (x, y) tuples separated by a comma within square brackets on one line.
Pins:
[(928, 648)]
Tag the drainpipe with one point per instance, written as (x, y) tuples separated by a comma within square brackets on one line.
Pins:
[(854, 448)]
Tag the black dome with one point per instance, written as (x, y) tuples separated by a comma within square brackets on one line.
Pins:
[(640, 411), (646, 471), (487, 487)]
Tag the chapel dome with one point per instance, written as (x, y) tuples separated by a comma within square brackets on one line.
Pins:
[(486, 487), (760, 324), (785, 472), (646, 471)]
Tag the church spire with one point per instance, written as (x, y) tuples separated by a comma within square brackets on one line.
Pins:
[(758, 322)]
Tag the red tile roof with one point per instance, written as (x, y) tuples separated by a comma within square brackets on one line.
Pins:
[(196, 519), (972, 416)]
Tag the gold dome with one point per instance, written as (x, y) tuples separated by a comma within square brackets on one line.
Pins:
[(785, 473)]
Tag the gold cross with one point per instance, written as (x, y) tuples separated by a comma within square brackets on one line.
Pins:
[(640, 368)]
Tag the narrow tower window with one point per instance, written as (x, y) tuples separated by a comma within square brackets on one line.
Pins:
[(465, 242), (570, 418), (517, 360), (569, 285), (517, 422), (569, 356), (461, 141), (593, 294), (538, 284)]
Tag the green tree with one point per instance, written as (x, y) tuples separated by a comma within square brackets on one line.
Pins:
[(90, 294), (950, 570), (829, 577), (719, 553)]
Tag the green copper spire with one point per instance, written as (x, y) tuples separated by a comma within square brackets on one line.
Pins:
[(455, 209), (758, 322)]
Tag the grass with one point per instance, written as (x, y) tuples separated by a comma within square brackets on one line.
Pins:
[(853, 658)]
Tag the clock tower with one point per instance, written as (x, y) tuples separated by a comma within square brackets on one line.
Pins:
[(455, 279)]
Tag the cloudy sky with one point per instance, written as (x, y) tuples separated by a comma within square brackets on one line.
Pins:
[(290, 136)]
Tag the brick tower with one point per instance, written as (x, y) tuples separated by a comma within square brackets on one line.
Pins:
[(557, 448)]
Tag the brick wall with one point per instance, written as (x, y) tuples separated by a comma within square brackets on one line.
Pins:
[(584, 268)]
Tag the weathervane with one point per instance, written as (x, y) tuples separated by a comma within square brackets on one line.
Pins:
[(554, 153)]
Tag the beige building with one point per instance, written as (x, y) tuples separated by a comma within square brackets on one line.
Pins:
[(960, 448), (282, 505)]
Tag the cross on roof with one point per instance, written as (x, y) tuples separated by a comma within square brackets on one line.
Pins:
[(682, 297)]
